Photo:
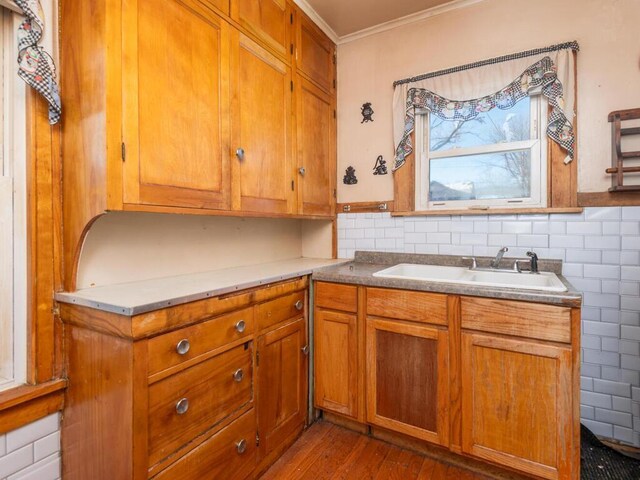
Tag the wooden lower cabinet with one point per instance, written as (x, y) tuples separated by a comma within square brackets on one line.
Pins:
[(215, 388), (516, 400), (408, 379)]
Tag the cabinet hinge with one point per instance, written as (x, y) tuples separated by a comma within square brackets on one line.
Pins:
[(257, 439), (124, 152), (257, 359), (291, 18), (292, 85), (335, 193), (334, 114), (292, 186), (291, 49), (334, 83)]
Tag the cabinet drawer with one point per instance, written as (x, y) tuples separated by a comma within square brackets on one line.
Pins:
[(213, 389), (221, 456), (165, 350), (280, 309), (531, 320), (407, 305), (336, 296)]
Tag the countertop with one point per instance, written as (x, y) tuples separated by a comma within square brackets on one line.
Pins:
[(144, 296), (360, 272)]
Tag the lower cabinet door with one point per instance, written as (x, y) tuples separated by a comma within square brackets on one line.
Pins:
[(230, 454), (408, 379), (516, 404), (282, 384)]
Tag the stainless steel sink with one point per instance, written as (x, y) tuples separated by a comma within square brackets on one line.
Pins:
[(544, 281)]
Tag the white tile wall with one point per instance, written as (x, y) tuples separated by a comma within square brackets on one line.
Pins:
[(32, 452), (601, 253)]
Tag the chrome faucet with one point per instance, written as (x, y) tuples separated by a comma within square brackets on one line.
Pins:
[(495, 263), (533, 262)]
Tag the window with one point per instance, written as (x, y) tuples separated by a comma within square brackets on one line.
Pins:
[(497, 159), (13, 285)]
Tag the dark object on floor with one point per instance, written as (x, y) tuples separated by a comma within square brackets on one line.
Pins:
[(350, 176), (599, 462)]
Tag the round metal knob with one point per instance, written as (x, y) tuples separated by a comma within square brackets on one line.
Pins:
[(241, 326), (302, 171), (305, 350), (241, 446), (240, 153), (183, 346), (182, 406), (238, 375), (299, 305)]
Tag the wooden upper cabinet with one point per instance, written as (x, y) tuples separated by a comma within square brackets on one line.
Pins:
[(516, 404), (269, 21), (315, 54), (176, 112), (408, 379), (316, 149), (262, 171)]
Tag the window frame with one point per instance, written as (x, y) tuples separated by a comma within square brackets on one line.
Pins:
[(537, 145)]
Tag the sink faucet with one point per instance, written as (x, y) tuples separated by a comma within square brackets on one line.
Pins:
[(495, 263), (533, 262)]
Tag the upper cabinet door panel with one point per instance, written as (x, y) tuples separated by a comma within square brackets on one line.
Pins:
[(316, 135), (315, 54), (175, 93), (261, 130), (267, 20)]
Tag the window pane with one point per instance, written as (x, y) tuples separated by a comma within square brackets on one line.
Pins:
[(494, 126), (481, 177)]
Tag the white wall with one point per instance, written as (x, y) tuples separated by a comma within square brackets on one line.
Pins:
[(608, 74), (600, 249)]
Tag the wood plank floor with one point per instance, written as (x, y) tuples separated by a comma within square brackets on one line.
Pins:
[(328, 452)]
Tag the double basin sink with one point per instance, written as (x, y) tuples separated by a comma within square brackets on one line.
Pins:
[(543, 281)]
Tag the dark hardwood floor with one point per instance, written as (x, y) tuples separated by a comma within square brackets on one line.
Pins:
[(328, 452)]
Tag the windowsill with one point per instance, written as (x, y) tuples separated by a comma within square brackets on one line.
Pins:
[(24, 404), (488, 211)]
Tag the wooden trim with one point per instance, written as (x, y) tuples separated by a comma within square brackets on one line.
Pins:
[(364, 207), (494, 211), (27, 403), (404, 184), (608, 199)]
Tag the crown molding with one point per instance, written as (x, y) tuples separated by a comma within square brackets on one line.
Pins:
[(318, 20), (406, 20)]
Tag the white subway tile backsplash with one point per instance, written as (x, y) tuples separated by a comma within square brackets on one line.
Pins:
[(15, 461), (30, 433), (600, 249)]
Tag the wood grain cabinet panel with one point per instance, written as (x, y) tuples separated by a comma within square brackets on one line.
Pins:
[(176, 111), (337, 363), (407, 305), (267, 20), (316, 149), (408, 379), (263, 178), (336, 296), (280, 309), (517, 404), (315, 54), (282, 384)]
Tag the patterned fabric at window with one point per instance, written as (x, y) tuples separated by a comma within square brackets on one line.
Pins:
[(551, 74)]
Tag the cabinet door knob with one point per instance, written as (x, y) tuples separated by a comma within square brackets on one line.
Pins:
[(238, 375), (305, 350), (241, 326), (302, 171), (241, 446), (182, 406), (299, 305), (240, 153), (183, 346)]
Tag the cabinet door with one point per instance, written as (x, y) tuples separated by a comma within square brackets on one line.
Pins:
[(282, 384), (175, 102), (408, 379), (315, 54), (268, 20), (316, 146), (516, 404), (336, 363), (263, 174)]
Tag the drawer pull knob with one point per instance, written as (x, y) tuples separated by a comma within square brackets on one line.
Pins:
[(238, 375), (241, 326), (183, 346), (241, 446), (240, 153), (305, 350), (182, 406), (299, 305)]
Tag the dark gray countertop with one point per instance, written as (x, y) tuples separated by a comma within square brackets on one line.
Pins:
[(360, 272)]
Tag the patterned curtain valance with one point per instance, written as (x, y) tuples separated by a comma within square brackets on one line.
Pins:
[(544, 74)]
